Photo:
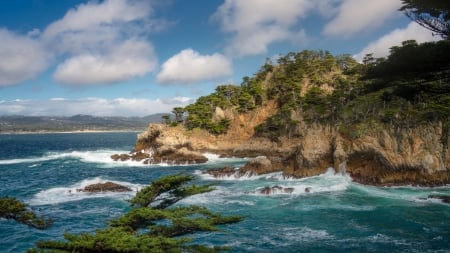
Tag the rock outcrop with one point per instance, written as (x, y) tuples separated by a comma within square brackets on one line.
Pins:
[(444, 199), (378, 155), (276, 190), (105, 187)]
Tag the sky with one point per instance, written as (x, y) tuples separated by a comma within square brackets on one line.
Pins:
[(140, 57)]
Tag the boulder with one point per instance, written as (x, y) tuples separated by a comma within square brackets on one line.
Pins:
[(120, 157), (219, 173), (445, 199), (258, 165), (105, 187), (276, 189)]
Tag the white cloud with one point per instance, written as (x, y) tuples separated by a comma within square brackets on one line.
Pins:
[(130, 59), (380, 47), (97, 42), (255, 24), (21, 58), (104, 42), (188, 66), (93, 15), (91, 106), (357, 16)]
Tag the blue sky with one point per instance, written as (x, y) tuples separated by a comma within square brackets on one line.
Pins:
[(139, 57)]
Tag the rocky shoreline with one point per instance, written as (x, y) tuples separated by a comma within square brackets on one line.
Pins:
[(382, 157)]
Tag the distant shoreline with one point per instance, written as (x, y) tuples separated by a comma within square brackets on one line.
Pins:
[(71, 131)]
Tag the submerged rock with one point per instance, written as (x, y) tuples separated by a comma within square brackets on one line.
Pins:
[(445, 199), (105, 187), (223, 172), (276, 190)]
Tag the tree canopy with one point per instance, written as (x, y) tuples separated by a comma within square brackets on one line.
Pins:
[(151, 225), (12, 208), (431, 14)]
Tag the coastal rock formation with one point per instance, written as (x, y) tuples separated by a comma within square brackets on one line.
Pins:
[(276, 190), (161, 144), (312, 111), (378, 156), (105, 187), (254, 167), (445, 199)]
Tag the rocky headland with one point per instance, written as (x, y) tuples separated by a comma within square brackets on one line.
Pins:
[(379, 156), (384, 122)]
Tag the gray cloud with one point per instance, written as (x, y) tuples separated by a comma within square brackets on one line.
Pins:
[(22, 58)]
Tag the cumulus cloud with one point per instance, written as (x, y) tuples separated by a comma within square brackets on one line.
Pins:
[(356, 16), (95, 106), (130, 59), (22, 58), (380, 47), (103, 42), (99, 42), (93, 15), (255, 24), (188, 66)]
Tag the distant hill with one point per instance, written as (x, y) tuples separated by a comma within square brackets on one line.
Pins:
[(17, 123)]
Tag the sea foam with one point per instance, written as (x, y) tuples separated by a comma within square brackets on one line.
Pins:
[(63, 194)]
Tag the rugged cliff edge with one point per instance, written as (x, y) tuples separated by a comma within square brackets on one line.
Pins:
[(416, 156), (385, 122)]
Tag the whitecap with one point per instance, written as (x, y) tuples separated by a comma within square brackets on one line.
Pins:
[(63, 194), (97, 156), (221, 195), (326, 182), (304, 234), (214, 158)]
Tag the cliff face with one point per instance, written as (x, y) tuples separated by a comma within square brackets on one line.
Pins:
[(312, 111), (381, 156)]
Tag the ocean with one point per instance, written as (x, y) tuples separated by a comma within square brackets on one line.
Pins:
[(336, 215)]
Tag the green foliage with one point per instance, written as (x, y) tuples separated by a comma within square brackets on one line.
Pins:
[(12, 208), (409, 87), (151, 226), (243, 98), (414, 82), (173, 186)]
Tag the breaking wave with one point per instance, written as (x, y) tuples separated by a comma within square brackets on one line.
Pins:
[(63, 194)]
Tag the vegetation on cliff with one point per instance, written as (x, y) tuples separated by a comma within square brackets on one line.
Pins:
[(407, 88), (151, 225)]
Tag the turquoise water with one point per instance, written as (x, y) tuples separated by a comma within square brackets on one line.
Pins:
[(338, 215)]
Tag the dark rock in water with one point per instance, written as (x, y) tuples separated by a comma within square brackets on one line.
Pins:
[(121, 157), (288, 190), (308, 189), (169, 155), (139, 156), (445, 199), (223, 172), (228, 172), (179, 156), (276, 189), (106, 187)]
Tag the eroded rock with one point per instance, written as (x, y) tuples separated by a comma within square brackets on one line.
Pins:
[(276, 190), (105, 187), (445, 199)]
